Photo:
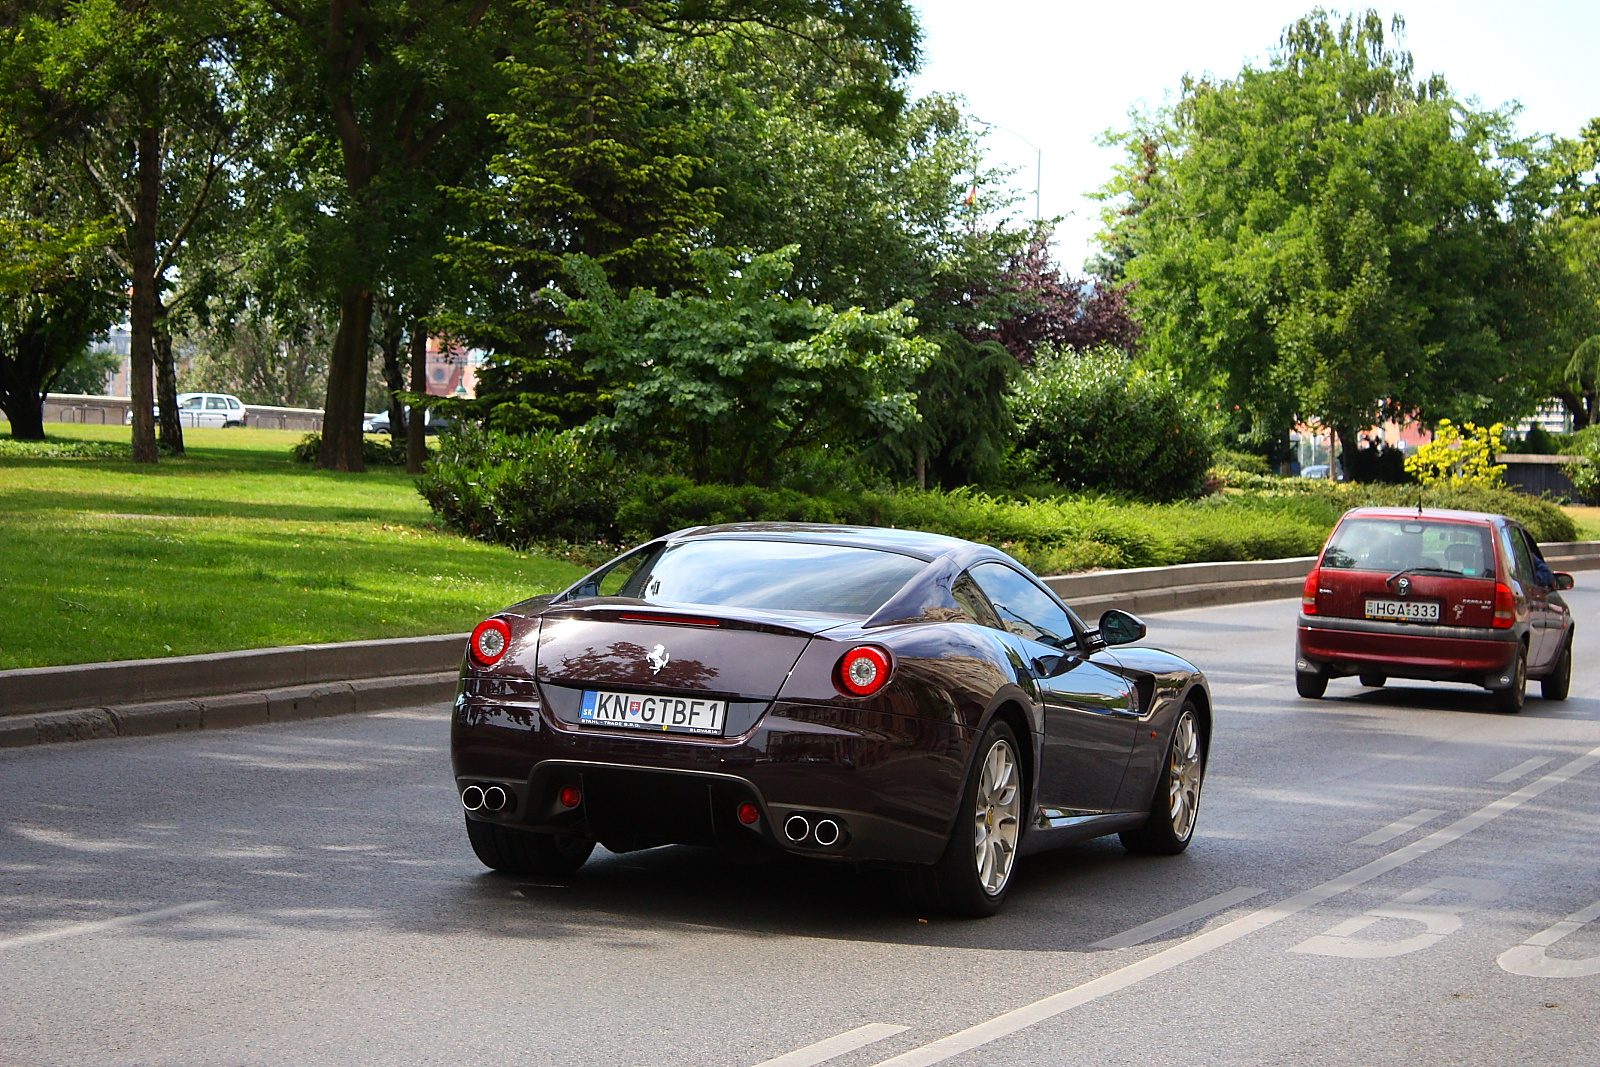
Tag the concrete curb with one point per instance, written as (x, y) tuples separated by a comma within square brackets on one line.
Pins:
[(147, 681), (286, 704), (144, 697)]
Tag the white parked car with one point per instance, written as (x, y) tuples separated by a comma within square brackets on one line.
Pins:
[(206, 409)]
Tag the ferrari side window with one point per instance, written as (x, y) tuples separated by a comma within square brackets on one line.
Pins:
[(1024, 608)]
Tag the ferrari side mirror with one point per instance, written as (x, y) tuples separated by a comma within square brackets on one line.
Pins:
[(1119, 627)]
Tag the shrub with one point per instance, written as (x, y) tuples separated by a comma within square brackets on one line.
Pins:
[(520, 490), (1459, 456), (375, 452), (53, 449), (1244, 462), (1093, 421)]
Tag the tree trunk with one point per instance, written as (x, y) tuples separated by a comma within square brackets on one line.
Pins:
[(347, 384), (390, 339), (167, 393), (22, 386), (144, 301), (417, 425)]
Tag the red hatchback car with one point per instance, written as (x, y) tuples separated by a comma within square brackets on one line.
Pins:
[(1453, 596)]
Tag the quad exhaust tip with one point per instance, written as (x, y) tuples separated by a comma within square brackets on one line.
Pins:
[(825, 832), (486, 798)]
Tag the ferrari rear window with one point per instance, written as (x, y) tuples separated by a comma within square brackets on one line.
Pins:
[(772, 576), (1397, 544)]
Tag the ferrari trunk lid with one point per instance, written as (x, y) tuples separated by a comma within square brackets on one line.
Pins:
[(671, 651)]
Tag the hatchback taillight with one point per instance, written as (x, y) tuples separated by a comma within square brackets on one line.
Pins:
[(1308, 595), (489, 642), (1505, 606)]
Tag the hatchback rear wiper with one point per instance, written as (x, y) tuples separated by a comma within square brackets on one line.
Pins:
[(1422, 570)]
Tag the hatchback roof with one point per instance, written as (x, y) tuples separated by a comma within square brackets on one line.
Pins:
[(1447, 514)]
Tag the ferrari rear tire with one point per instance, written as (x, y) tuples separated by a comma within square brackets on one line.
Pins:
[(1176, 804), (972, 878), (1508, 701), (1310, 686), (502, 848), (1555, 685), (1374, 681)]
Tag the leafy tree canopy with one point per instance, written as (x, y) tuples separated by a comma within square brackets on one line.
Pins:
[(1332, 236), (732, 381)]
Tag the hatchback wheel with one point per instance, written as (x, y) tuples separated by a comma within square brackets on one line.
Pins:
[(1559, 681), (1310, 686), (1509, 700), (1176, 803)]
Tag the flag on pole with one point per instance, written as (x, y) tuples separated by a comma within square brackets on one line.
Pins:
[(972, 196)]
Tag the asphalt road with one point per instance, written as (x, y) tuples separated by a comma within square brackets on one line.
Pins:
[(1378, 877)]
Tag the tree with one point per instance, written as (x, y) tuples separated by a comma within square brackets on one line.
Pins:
[(55, 293), (1573, 230), (384, 87), (731, 382), (1329, 238), (136, 108)]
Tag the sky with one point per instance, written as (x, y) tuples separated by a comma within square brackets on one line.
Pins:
[(1058, 73)]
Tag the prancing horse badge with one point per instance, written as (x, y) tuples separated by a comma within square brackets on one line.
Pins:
[(658, 658)]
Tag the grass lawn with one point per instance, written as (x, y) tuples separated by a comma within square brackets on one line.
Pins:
[(234, 546), (1588, 520)]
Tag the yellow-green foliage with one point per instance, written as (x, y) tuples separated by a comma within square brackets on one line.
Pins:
[(1462, 456)]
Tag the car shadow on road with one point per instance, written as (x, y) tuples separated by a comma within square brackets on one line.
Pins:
[(1460, 700), (1060, 901)]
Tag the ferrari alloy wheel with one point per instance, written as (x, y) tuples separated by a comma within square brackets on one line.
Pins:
[(975, 873), (1510, 699), (996, 819), (1176, 803), (1556, 684), (512, 851)]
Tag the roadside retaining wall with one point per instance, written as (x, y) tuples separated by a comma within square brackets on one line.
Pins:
[(138, 697)]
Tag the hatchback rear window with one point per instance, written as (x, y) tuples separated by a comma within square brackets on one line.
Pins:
[(772, 576), (1397, 545)]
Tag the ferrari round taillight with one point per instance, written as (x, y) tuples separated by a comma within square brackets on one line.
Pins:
[(1308, 595), (864, 670), (489, 642), (1505, 606), (570, 796), (748, 813)]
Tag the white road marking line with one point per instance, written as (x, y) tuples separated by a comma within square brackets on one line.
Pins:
[(1182, 917), (77, 929), (1258, 685), (1526, 767), (1399, 826), (1040, 1010), (1528, 959), (835, 1046)]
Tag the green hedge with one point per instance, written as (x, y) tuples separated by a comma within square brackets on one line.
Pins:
[(559, 488)]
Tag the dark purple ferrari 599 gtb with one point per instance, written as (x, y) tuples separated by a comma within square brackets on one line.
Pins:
[(844, 693)]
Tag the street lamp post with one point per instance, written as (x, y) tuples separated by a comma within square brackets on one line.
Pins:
[(1038, 163)]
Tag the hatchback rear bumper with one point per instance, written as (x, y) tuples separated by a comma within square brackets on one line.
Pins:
[(1340, 647)]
